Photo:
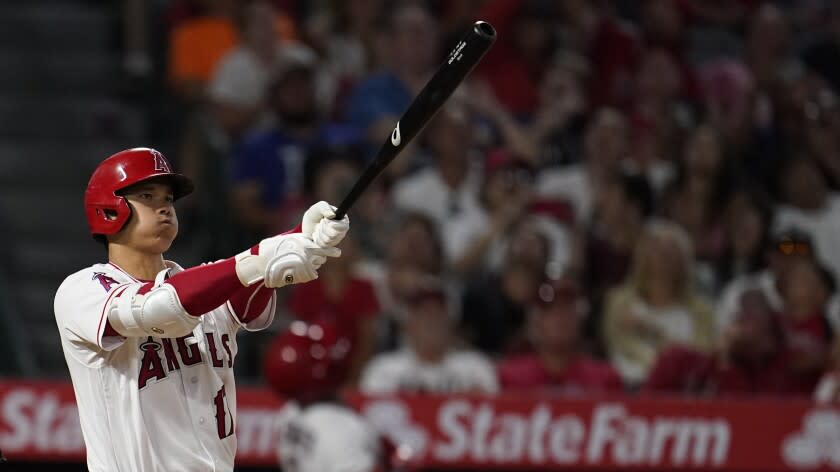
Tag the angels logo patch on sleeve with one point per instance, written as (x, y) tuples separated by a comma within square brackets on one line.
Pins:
[(104, 279)]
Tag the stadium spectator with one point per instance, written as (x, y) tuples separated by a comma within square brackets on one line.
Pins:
[(495, 302), (768, 45), (783, 249), (343, 299), (747, 220), (201, 33), (525, 46), (728, 91), (504, 196), (430, 360), (196, 47), (805, 292), (750, 358), (625, 205), (809, 205), (666, 28), (657, 305), (343, 35), (558, 364), (268, 165), (695, 198), (605, 145), (447, 190), (822, 134), (822, 51), (414, 254), (409, 38), (239, 85), (659, 112), (373, 213), (612, 46), (458, 17), (552, 136)]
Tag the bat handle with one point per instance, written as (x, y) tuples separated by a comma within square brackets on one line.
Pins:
[(339, 213)]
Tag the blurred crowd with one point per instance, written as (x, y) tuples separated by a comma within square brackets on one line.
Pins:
[(623, 196)]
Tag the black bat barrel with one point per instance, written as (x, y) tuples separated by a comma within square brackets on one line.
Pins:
[(460, 61)]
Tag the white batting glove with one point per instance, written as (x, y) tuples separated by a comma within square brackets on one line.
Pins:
[(319, 226), (296, 260), (283, 260)]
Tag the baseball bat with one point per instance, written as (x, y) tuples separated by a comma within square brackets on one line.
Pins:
[(466, 54)]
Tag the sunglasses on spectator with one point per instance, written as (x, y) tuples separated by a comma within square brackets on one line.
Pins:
[(790, 247)]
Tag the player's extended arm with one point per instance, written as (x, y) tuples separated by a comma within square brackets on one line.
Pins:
[(172, 308)]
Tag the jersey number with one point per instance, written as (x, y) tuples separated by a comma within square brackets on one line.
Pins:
[(222, 414)]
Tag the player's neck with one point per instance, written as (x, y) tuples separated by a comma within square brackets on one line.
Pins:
[(138, 264)]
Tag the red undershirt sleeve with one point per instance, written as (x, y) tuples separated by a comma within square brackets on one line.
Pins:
[(204, 288)]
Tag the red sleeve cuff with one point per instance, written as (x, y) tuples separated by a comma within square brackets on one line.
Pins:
[(248, 303)]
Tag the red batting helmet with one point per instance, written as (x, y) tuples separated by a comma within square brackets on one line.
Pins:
[(307, 361), (107, 212)]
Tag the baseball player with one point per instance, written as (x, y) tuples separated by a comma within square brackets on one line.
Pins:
[(306, 366), (150, 346)]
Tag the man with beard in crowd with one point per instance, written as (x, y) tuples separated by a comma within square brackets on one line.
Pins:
[(267, 169)]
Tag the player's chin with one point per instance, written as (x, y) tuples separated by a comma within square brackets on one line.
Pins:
[(163, 240)]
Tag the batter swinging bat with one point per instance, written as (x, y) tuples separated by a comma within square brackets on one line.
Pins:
[(466, 54)]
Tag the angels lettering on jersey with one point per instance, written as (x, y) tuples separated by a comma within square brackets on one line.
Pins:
[(163, 356)]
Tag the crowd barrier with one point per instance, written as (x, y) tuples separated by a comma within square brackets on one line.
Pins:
[(39, 422)]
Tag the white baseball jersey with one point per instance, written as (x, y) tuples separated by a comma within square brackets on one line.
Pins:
[(150, 404), (458, 372), (326, 437)]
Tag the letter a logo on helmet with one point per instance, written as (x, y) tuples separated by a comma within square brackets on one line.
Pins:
[(107, 211), (160, 162)]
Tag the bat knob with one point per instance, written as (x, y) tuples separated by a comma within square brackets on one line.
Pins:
[(289, 279)]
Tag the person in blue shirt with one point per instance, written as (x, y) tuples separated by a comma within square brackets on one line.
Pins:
[(267, 166), (410, 53)]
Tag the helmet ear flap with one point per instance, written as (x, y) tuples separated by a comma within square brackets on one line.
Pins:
[(111, 216)]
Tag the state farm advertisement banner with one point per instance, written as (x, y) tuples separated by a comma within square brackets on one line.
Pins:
[(530, 433), (39, 421)]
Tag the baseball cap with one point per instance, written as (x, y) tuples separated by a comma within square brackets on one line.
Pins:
[(293, 62), (503, 160)]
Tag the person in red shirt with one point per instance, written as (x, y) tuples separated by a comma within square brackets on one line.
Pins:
[(557, 363), (342, 298), (519, 59), (805, 292), (751, 358)]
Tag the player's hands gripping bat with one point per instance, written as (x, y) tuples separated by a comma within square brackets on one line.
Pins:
[(466, 54)]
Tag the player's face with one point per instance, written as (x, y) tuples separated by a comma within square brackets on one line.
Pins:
[(153, 224)]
